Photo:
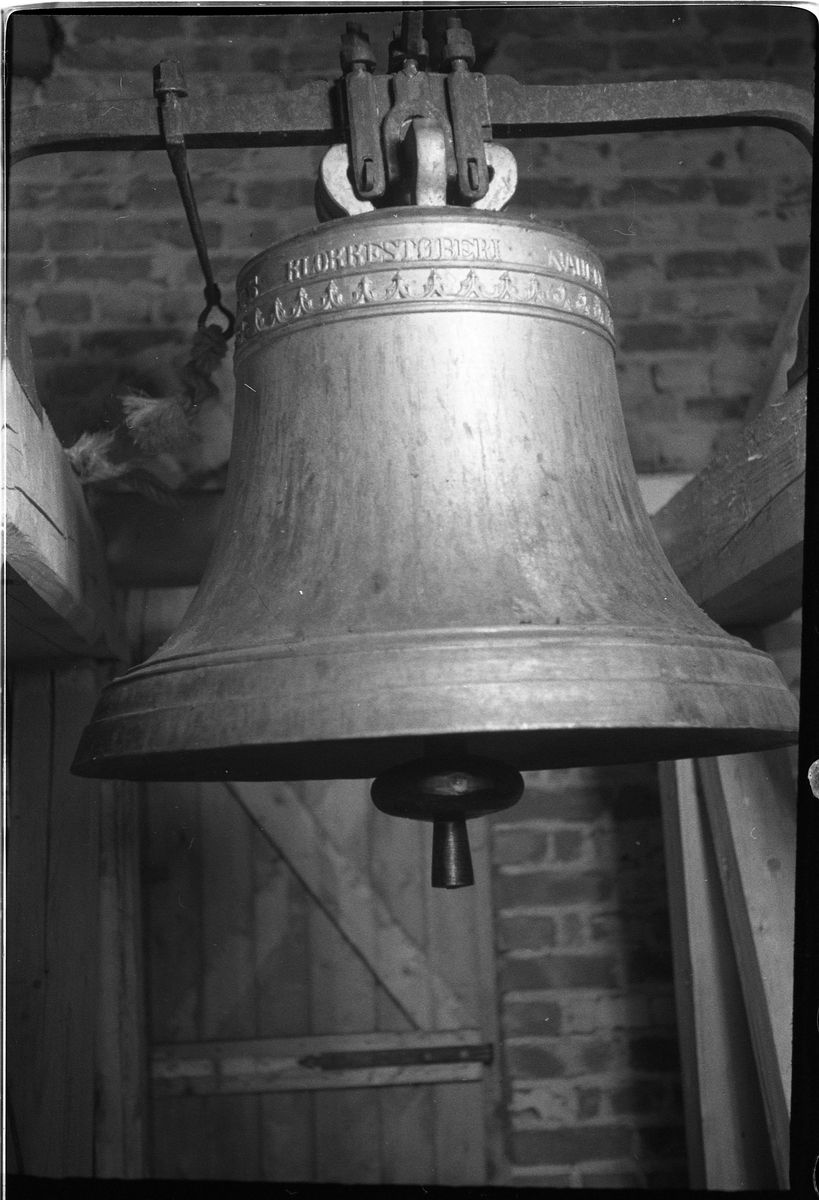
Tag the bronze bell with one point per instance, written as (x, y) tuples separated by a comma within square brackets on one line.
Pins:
[(432, 529)]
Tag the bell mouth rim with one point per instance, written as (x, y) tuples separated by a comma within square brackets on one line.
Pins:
[(350, 643), (428, 215)]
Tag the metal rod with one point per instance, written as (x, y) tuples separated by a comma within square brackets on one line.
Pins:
[(310, 114)]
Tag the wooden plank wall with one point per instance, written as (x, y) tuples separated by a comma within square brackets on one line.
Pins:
[(75, 1061), (238, 950)]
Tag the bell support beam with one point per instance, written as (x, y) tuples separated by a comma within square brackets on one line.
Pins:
[(735, 533), (59, 601), (310, 114)]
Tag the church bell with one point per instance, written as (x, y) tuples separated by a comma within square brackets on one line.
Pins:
[(434, 565)]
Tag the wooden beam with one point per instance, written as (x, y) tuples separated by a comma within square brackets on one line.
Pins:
[(52, 944), (727, 1138), (734, 534), (306, 1063), (348, 898), (59, 598), (751, 805), (121, 1108)]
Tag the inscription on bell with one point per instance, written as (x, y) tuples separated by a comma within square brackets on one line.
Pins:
[(362, 254)]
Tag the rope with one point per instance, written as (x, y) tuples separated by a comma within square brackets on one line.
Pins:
[(210, 345)]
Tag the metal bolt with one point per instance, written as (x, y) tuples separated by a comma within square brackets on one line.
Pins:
[(813, 778)]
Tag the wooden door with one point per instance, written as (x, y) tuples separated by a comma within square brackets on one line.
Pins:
[(301, 972)]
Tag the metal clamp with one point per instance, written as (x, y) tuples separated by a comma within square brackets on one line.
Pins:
[(414, 97), (366, 161), (471, 126)]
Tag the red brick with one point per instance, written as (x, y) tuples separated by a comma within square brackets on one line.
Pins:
[(74, 235), (213, 28), (225, 269), (549, 193), (654, 1054), (143, 234), (568, 844), (743, 20), (745, 53), (688, 53), (519, 845), (30, 195), (792, 195), (753, 334), (635, 801), (273, 194), (549, 1179), (571, 1146), (123, 342), (604, 231), (611, 1179), (589, 1101), (635, 190), (177, 233), (526, 933), (641, 18), (266, 56), (656, 336), (533, 1062), (664, 1142), (22, 272), (23, 238), (722, 408), (640, 1096), (130, 306), (49, 345), (668, 1179), (773, 296), (596, 1055), (572, 929), (545, 54), (549, 888), (565, 804), (794, 51), (78, 196), (147, 26), (119, 269), (792, 257), (715, 264), (156, 192), (129, 232), (732, 193), (559, 971), (126, 54), (537, 21), (531, 1018), (621, 266), (68, 308)]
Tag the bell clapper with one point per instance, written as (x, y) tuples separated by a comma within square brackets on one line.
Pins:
[(448, 787)]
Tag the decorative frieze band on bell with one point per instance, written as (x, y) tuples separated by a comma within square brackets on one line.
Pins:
[(523, 290), (460, 268)]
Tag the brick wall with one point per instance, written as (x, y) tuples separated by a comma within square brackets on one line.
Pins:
[(701, 235), (591, 1059)]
